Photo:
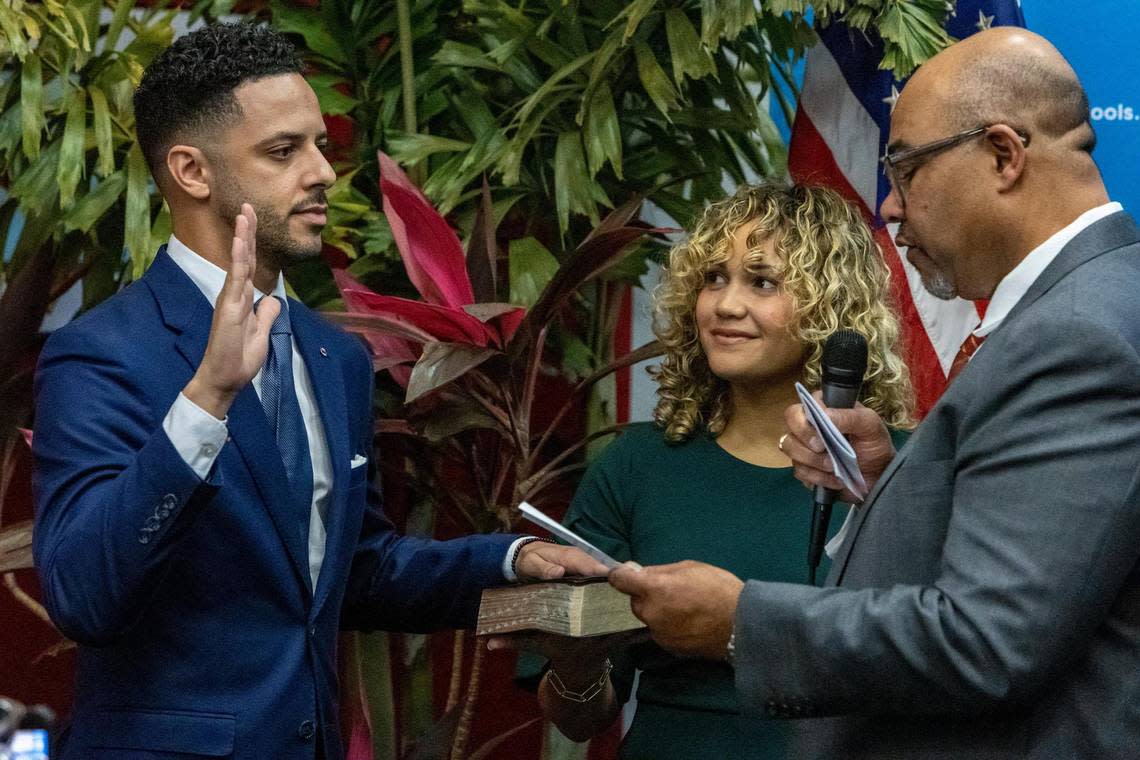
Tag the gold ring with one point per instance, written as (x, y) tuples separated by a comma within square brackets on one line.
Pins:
[(780, 443)]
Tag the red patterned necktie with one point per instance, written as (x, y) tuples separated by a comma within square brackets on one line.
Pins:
[(969, 346)]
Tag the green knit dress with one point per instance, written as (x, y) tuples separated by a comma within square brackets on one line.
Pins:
[(646, 500), (657, 503)]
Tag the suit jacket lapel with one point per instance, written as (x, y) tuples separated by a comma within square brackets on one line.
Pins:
[(189, 313), (328, 386), (839, 565)]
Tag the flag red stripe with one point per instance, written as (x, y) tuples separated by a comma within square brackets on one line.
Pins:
[(925, 370)]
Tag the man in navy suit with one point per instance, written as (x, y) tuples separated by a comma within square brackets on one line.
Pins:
[(206, 520)]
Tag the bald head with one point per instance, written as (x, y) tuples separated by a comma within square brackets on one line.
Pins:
[(1011, 76), (977, 201)]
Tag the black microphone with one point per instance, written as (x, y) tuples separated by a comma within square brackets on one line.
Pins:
[(843, 364)]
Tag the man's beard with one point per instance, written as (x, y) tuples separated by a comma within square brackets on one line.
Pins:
[(938, 285), (275, 243)]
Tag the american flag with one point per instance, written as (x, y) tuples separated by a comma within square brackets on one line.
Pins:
[(840, 132)]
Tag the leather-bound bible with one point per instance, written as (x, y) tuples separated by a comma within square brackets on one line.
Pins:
[(567, 607)]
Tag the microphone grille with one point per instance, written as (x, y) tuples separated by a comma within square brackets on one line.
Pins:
[(845, 351)]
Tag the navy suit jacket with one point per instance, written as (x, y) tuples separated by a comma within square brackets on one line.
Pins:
[(199, 633)]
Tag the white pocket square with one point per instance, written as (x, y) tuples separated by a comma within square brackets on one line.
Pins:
[(358, 460)]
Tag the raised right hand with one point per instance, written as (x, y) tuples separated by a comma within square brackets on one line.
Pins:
[(863, 429), (239, 336)]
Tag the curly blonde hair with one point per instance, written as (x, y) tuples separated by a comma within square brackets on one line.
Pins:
[(834, 275)]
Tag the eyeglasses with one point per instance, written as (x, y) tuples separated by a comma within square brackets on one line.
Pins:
[(901, 165)]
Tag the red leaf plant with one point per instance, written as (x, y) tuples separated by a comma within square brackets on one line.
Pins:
[(470, 365), (479, 361), (398, 329)]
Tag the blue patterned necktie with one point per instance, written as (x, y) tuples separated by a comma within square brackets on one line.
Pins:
[(279, 397)]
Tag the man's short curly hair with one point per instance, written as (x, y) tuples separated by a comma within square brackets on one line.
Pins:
[(190, 86), (834, 274)]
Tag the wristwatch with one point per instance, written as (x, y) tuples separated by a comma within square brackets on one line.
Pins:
[(730, 648)]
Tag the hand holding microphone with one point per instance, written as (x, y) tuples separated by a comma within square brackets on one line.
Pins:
[(844, 362)]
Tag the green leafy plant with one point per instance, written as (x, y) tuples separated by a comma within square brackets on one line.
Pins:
[(567, 109), (68, 154), (594, 101), (912, 30), (77, 205), (572, 107)]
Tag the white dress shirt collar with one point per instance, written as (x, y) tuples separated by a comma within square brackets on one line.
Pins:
[(1016, 284), (208, 276)]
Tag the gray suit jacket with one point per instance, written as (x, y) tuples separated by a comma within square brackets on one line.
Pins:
[(987, 601)]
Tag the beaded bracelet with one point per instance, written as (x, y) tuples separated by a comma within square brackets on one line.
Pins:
[(518, 550), (586, 695)]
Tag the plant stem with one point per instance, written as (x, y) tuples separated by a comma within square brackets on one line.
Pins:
[(7, 467), (72, 278), (463, 730), (23, 598), (500, 479), (407, 64), (536, 487), (518, 434), (528, 486), (482, 487), (496, 412), (496, 389), (528, 391), (646, 351), (456, 670), (408, 77)]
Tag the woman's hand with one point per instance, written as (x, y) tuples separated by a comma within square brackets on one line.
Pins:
[(582, 703)]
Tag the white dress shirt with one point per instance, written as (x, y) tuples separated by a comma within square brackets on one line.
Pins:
[(198, 436)]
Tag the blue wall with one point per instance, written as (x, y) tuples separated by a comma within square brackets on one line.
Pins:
[(1099, 37)]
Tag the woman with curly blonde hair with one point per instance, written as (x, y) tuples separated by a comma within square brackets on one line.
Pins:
[(743, 310), (831, 274)]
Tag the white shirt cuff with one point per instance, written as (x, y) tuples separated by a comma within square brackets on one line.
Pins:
[(197, 435), (508, 571)]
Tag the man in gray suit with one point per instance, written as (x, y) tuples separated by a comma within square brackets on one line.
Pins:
[(985, 601)]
